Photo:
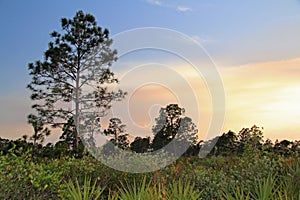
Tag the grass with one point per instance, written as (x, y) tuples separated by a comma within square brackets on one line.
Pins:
[(85, 192)]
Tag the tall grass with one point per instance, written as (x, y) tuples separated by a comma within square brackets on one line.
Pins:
[(140, 191), (179, 191), (269, 188), (265, 189), (85, 192), (143, 190), (147, 191), (238, 193)]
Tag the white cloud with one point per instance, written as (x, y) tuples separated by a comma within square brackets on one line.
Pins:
[(183, 9), (155, 2), (169, 5), (199, 39), (202, 40)]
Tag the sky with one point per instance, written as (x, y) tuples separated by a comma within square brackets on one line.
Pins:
[(254, 45)]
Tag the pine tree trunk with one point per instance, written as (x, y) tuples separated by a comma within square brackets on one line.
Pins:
[(77, 105)]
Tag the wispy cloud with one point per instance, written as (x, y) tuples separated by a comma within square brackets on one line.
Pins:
[(202, 39), (170, 5), (154, 2), (183, 9), (264, 93)]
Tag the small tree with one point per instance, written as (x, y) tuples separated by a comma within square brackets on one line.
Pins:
[(283, 147), (250, 139), (39, 131), (77, 57), (167, 125), (116, 130), (171, 123), (227, 144), (140, 145), (67, 137)]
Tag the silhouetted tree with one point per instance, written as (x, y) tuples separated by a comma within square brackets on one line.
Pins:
[(227, 144), (250, 139), (268, 146), (77, 57), (68, 133), (117, 131), (40, 132), (296, 147), (140, 145), (167, 125), (5, 145), (171, 123), (283, 147)]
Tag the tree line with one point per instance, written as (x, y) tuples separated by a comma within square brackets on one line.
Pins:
[(246, 141), (79, 57)]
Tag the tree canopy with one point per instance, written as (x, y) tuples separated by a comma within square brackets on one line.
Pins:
[(78, 57), (170, 123)]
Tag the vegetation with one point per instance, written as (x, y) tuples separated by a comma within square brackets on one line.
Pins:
[(240, 166), (264, 173), (80, 56)]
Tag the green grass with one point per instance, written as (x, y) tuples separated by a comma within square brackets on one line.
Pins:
[(85, 192)]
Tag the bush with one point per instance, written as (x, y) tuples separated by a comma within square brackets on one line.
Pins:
[(24, 178)]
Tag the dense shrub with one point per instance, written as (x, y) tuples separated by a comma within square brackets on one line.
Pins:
[(22, 177)]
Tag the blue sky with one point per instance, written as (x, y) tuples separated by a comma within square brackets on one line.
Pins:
[(235, 33)]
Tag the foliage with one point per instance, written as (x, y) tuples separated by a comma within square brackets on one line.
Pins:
[(171, 124), (227, 144), (265, 189), (182, 190), (167, 125), (240, 166), (148, 191), (269, 188), (260, 174), (77, 57), (21, 178), (291, 179), (89, 191), (137, 191), (68, 133), (40, 132), (238, 193), (116, 130), (250, 139), (140, 145)]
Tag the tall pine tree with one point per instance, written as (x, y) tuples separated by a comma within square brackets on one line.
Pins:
[(78, 56)]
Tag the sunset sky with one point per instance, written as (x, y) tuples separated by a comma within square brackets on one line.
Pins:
[(254, 44)]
